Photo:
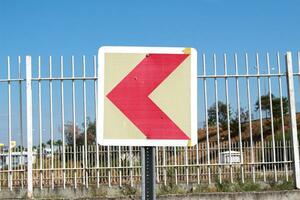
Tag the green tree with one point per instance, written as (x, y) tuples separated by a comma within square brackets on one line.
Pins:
[(80, 137), (80, 133), (70, 132), (234, 123), (222, 114), (276, 107), (265, 105), (91, 132), (49, 142), (58, 143)]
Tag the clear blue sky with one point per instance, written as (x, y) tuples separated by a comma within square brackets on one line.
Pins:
[(61, 27), (80, 27)]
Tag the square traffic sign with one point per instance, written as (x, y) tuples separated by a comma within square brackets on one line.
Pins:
[(147, 96)]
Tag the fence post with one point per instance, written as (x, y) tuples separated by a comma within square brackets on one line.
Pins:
[(29, 126), (293, 120)]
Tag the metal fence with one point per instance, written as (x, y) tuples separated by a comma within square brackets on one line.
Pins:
[(121, 165), (246, 111)]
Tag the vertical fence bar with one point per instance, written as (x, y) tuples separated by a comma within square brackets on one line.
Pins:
[(63, 120), (131, 165), (82, 161), (40, 122), (269, 155), (164, 165), (9, 126), (29, 126), (21, 121), (51, 122), (228, 116), (250, 118), (197, 163), (120, 166), (217, 117), (201, 158), (282, 117), (239, 116), (293, 120), (96, 116), (108, 166), (157, 163), (271, 116), (186, 164), (206, 117), (290, 153), (175, 163), (74, 124), (260, 118), (85, 124)]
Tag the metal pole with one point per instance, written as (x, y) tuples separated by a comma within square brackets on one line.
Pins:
[(239, 116), (85, 125), (261, 117), (228, 117), (250, 118), (63, 120), (51, 121), (217, 119), (10, 182), (29, 126), (206, 118), (40, 122), (96, 116), (148, 173), (293, 120), (272, 118), (21, 118), (74, 124)]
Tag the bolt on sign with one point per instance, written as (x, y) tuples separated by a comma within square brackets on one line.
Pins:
[(147, 96)]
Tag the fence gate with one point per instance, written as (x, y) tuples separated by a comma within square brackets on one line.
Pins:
[(247, 111)]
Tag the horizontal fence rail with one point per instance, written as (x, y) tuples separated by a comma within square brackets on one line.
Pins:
[(244, 126)]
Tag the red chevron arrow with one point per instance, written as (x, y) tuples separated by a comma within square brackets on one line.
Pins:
[(131, 96)]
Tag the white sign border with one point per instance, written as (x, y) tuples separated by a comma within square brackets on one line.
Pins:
[(101, 96)]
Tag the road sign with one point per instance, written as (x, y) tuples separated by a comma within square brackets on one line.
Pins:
[(147, 96)]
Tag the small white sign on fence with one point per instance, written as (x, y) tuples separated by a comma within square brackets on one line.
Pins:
[(230, 157)]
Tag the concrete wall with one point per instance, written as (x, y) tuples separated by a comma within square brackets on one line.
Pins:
[(270, 195), (114, 193)]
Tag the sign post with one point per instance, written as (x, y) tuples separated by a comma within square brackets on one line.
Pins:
[(147, 96), (148, 173)]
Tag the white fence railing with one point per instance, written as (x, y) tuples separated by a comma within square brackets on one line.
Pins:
[(246, 111), (121, 165)]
